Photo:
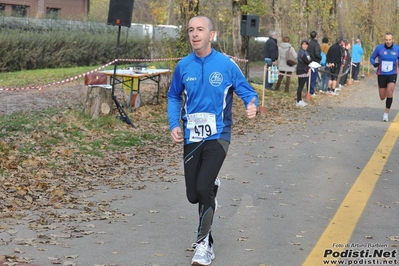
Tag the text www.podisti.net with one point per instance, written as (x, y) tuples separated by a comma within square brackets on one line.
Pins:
[(360, 257)]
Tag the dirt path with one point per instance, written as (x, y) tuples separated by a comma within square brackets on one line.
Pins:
[(70, 94)]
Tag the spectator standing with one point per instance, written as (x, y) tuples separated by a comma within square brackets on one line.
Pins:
[(283, 67), (334, 61), (315, 55), (325, 70), (346, 63), (206, 79), (357, 54), (324, 46), (387, 55), (302, 70), (271, 54), (341, 70)]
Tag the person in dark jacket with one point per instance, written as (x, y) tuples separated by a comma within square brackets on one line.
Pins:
[(346, 63), (302, 70), (271, 54), (315, 54), (334, 61)]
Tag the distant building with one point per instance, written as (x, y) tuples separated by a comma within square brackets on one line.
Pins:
[(65, 9)]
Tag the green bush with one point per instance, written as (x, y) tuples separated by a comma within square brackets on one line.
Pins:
[(27, 50)]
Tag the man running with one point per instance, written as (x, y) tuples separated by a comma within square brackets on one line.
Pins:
[(387, 68), (206, 80)]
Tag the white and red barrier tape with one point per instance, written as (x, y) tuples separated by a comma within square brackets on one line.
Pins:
[(150, 60), (290, 75), (40, 87)]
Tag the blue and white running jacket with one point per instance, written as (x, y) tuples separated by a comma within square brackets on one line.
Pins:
[(388, 59), (207, 86)]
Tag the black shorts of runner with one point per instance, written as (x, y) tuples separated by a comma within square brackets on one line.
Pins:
[(334, 72), (384, 80)]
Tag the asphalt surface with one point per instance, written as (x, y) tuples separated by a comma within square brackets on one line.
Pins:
[(280, 190)]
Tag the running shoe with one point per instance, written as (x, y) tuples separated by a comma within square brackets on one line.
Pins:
[(301, 104), (385, 117), (203, 253)]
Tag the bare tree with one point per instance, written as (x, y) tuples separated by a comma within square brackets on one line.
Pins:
[(367, 19), (276, 17), (238, 45)]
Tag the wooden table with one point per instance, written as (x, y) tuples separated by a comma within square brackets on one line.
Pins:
[(132, 78)]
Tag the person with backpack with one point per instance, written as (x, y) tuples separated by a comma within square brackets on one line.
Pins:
[(325, 70), (285, 50), (385, 59)]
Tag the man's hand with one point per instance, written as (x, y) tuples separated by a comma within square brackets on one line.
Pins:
[(376, 64), (251, 109), (176, 135)]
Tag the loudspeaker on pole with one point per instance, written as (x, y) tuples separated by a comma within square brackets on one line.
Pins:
[(120, 13), (250, 25)]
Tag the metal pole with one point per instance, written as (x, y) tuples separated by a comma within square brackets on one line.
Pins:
[(247, 56), (123, 115)]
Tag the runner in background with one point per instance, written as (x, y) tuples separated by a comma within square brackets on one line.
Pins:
[(385, 59)]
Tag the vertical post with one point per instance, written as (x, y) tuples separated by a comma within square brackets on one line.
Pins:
[(124, 117), (350, 73), (116, 60), (246, 57)]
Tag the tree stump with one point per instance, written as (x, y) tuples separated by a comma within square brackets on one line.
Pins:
[(98, 101)]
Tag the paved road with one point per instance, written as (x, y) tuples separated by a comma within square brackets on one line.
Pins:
[(286, 199)]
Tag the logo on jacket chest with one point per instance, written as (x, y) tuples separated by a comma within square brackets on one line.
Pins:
[(215, 79), (191, 79)]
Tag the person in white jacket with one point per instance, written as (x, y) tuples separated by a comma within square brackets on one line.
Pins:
[(284, 69)]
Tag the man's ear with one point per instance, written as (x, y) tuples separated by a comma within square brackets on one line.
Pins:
[(212, 37)]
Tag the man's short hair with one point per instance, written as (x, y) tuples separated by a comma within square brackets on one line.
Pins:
[(389, 33), (272, 33), (313, 34)]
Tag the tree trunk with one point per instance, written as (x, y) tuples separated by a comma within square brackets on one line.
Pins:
[(276, 9), (236, 25), (98, 101), (170, 11)]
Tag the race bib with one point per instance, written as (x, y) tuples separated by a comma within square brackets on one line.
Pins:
[(201, 126), (386, 66)]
